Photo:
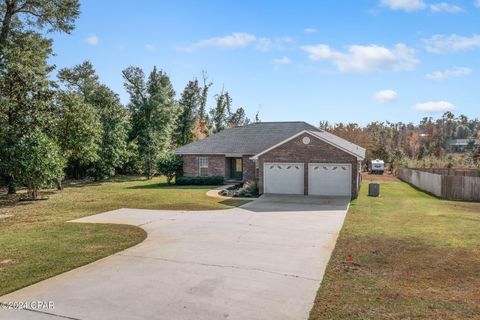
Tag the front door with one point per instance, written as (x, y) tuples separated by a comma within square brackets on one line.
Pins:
[(236, 169)]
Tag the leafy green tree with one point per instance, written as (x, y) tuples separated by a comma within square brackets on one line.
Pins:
[(114, 117), (133, 163), (170, 165), (79, 131), (25, 90), (27, 15), (154, 111), (189, 104), (81, 79), (39, 161), (115, 121), (26, 96)]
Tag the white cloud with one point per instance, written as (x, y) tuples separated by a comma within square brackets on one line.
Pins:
[(416, 5), (242, 40), (450, 73), (92, 40), (312, 30), (282, 60), (235, 40), (432, 106), (477, 3), (385, 96), (150, 47), (405, 5), (445, 7), (365, 58), (442, 43), (267, 44)]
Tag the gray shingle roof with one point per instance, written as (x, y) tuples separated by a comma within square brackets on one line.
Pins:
[(340, 142), (254, 138), (249, 140)]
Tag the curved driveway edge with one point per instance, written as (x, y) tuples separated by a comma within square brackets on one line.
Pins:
[(264, 260), (215, 193)]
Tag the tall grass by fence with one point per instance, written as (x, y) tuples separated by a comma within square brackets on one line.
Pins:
[(451, 184)]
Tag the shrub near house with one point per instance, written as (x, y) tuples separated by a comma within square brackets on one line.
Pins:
[(170, 166), (200, 181)]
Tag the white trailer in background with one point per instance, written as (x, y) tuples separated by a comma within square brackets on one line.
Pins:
[(376, 166)]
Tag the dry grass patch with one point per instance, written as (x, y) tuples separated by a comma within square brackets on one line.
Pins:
[(412, 257)]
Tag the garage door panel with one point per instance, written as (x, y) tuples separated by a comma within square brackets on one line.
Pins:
[(283, 178), (329, 179)]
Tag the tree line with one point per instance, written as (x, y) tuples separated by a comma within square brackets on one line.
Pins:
[(415, 145), (76, 126)]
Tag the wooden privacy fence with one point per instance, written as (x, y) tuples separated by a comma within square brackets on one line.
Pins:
[(451, 184)]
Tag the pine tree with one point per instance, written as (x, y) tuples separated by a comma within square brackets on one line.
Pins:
[(238, 118), (57, 15), (154, 112), (202, 110), (79, 132), (222, 111), (114, 117), (26, 97), (189, 104)]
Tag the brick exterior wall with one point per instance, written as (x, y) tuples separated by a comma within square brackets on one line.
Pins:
[(248, 168), (316, 151), (216, 165)]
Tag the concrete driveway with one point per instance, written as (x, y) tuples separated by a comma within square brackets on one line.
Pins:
[(264, 260)]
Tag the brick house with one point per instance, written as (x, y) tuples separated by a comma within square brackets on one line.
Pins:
[(282, 157)]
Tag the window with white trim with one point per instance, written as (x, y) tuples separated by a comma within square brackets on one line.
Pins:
[(203, 166)]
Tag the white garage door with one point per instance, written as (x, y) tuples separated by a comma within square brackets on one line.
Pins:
[(329, 179), (286, 178)]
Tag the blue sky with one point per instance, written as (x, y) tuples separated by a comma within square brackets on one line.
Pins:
[(341, 61)]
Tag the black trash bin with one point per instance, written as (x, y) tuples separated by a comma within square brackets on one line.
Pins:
[(373, 190)]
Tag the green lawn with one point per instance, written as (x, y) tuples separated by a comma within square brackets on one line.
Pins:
[(37, 243), (413, 257)]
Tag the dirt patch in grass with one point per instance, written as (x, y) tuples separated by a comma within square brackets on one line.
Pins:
[(5, 262)]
